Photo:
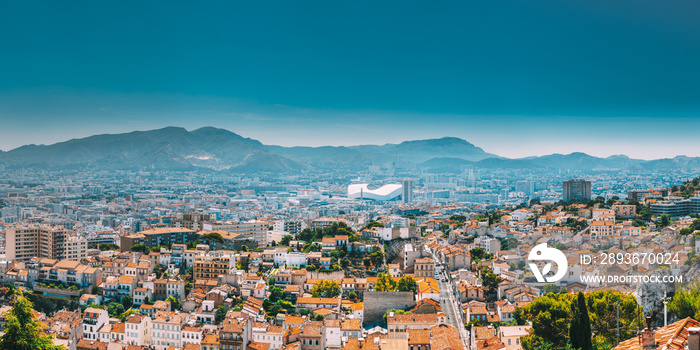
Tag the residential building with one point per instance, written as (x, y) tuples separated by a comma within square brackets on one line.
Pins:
[(166, 329), (425, 267), (23, 242), (211, 267), (158, 237), (93, 320), (577, 189)]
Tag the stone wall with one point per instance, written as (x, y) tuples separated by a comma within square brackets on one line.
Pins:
[(376, 304), (330, 275)]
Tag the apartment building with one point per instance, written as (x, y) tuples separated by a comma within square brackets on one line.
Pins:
[(166, 329), (398, 325), (64, 271), (602, 227), (210, 267), (675, 207), (93, 320), (23, 242), (625, 211), (425, 267), (234, 334), (255, 231), (158, 237)]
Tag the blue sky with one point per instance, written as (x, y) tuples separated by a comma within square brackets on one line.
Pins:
[(517, 78)]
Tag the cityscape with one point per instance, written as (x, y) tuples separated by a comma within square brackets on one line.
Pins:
[(375, 176)]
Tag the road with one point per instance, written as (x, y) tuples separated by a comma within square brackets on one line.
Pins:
[(450, 306)]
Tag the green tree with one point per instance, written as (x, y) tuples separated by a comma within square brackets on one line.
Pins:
[(108, 246), (285, 240), (377, 258), (244, 248), (686, 302), (550, 316), (127, 301), (385, 283), (344, 262), (325, 289), (140, 248), (115, 309), (490, 279), (22, 331), (220, 314), (602, 310), (552, 288), (407, 284), (580, 329), (174, 302), (214, 236), (479, 254)]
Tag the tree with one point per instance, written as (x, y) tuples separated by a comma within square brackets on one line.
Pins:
[(580, 329), (108, 246), (385, 283), (344, 262), (552, 288), (174, 302), (480, 254), (377, 258), (407, 284), (244, 248), (140, 248), (490, 279), (686, 302), (214, 236), (325, 289), (664, 220), (220, 314), (115, 309), (285, 240), (127, 301), (146, 300), (602, 310), (550, 316), (22, 331)]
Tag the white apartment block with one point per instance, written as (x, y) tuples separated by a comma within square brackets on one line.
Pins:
[(93, 320), (137, 330), (166, 330)]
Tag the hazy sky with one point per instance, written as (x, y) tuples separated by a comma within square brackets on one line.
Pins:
[(514, 77)]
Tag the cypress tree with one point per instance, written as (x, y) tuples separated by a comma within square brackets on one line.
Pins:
[(580, 327)]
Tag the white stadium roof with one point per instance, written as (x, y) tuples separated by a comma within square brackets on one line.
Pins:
[(367, 191)]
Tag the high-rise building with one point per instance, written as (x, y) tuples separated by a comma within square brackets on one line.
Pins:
[(24, 242), (577, 189), (526, 186), (407, 188)]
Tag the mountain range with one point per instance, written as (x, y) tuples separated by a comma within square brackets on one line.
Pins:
[(212, 148)]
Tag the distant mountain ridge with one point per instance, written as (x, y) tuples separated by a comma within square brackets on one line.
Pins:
[(219, 149)]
